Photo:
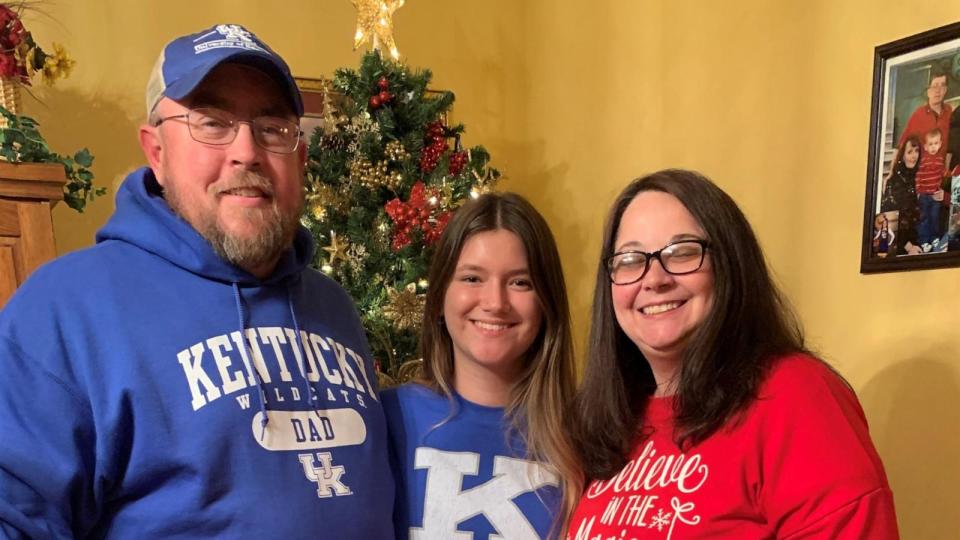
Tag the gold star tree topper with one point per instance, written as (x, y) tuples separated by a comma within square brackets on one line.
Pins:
[(375, 18)]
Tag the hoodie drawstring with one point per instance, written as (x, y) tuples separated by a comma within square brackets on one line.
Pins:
[(302, 353), (241, 317)]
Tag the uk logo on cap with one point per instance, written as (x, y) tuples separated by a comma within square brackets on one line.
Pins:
[(185, 61), (234, 35)]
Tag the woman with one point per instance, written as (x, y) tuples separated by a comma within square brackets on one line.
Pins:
[(479, 443), (900, 194), (702, 415)]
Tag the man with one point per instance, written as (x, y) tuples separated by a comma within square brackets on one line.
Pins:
[(189, 376), (934, 114)]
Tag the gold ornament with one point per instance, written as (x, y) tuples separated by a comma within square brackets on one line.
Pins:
[(318, 211), (446, 195), (375, 18), (396, 152), (409, 370), (356, 256), (323, 197), (373, 176), (395, 181), (381, 235), (331, 116), (404, 307), (484, 183), (362, 123), (336, 249), (384, 380)]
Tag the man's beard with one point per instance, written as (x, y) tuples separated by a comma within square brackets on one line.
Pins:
[(275, 230)]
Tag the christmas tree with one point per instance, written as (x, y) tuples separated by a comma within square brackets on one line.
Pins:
[(382, 182)]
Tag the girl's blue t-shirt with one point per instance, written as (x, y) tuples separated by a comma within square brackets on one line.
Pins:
[(458, 470)]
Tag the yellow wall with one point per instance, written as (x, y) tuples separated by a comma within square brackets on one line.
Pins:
[(573, 99), (771, 99)]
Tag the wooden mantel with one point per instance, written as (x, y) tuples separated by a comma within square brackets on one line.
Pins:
[(28, 192)]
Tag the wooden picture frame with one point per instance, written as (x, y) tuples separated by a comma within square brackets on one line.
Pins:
[(911, 217)]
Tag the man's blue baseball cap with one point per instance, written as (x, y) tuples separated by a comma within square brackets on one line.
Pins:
[(185, 61)]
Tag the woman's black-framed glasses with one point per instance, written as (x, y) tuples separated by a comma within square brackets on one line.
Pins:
[(677, 258), (215, 126)]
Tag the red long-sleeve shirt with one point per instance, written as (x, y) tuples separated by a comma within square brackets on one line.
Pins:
[(798, 464), (930, 174)]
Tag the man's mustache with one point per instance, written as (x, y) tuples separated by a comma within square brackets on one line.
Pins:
[(244, 180)]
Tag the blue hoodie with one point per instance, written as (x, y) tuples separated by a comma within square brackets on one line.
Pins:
[(152, 390)]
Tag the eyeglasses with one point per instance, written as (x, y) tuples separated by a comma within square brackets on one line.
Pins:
[(215, 126), (677, 258)]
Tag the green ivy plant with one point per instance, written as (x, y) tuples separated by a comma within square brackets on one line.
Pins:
[(21, 142)]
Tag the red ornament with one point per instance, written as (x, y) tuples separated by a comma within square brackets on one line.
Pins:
[(435, 129), (385, 97), (383, 83), (428, 163), (411, 215), (375, 102), (436, 144), (457, 162)]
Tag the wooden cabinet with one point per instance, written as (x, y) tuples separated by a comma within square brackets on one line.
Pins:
[(28, 191)]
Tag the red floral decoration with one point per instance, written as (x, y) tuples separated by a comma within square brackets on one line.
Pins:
[(21, 57), (417, 213)]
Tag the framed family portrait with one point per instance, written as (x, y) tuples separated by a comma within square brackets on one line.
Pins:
[(911, 217)]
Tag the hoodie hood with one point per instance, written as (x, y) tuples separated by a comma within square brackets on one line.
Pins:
[(143, 218)]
